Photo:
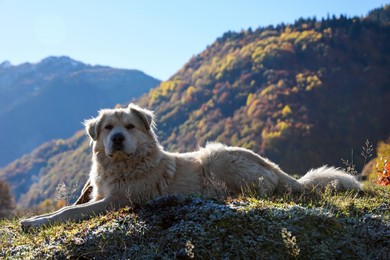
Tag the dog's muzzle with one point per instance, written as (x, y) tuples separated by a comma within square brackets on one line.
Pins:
[(117, 142)]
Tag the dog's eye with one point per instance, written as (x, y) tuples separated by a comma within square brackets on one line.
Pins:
[(129, 126), (108, 127)]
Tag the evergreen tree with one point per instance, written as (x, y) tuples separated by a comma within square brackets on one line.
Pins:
[(6, 200)]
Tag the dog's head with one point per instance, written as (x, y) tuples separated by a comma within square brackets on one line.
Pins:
[(122, 132)]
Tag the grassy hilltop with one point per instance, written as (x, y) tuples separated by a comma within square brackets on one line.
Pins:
[(325, 226)]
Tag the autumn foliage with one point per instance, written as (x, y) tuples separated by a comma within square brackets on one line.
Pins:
[(381, 173), (307, 92), (384, 175)]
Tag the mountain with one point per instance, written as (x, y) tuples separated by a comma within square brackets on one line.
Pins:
[(49, 99), (302, 95), (36, 176), (381, 15)]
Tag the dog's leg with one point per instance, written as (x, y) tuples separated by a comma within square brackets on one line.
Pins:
[(84, 198), (69, 213), (85, 194)]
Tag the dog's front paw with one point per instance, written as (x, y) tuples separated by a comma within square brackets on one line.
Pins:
[(31, 223)]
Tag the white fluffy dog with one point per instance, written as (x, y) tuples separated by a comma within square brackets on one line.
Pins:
[(129, 166)]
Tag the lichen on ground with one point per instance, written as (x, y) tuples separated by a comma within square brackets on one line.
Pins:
[(334, 226)]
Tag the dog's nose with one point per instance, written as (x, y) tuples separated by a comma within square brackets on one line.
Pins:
[(118, 138)]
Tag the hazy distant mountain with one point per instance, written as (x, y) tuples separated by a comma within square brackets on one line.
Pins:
[(49, 99), (303, 95)]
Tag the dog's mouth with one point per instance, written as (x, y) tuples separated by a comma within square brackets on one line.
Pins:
[(119, 155)]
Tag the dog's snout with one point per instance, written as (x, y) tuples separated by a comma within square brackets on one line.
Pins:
[(118, 138)]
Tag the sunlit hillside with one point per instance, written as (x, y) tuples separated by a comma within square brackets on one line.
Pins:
[(304, 94)]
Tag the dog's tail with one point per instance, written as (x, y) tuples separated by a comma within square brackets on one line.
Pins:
[(329, 177), (319, 179)]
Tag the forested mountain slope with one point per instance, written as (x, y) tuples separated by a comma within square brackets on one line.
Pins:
[(302, 94)]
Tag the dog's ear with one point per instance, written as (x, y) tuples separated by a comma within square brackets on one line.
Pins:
[(146, 116), (92, 127)]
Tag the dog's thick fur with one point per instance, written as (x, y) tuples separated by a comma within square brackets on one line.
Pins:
[(129, 166)]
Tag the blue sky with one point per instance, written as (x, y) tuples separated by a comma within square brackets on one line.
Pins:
[(157, 37)]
